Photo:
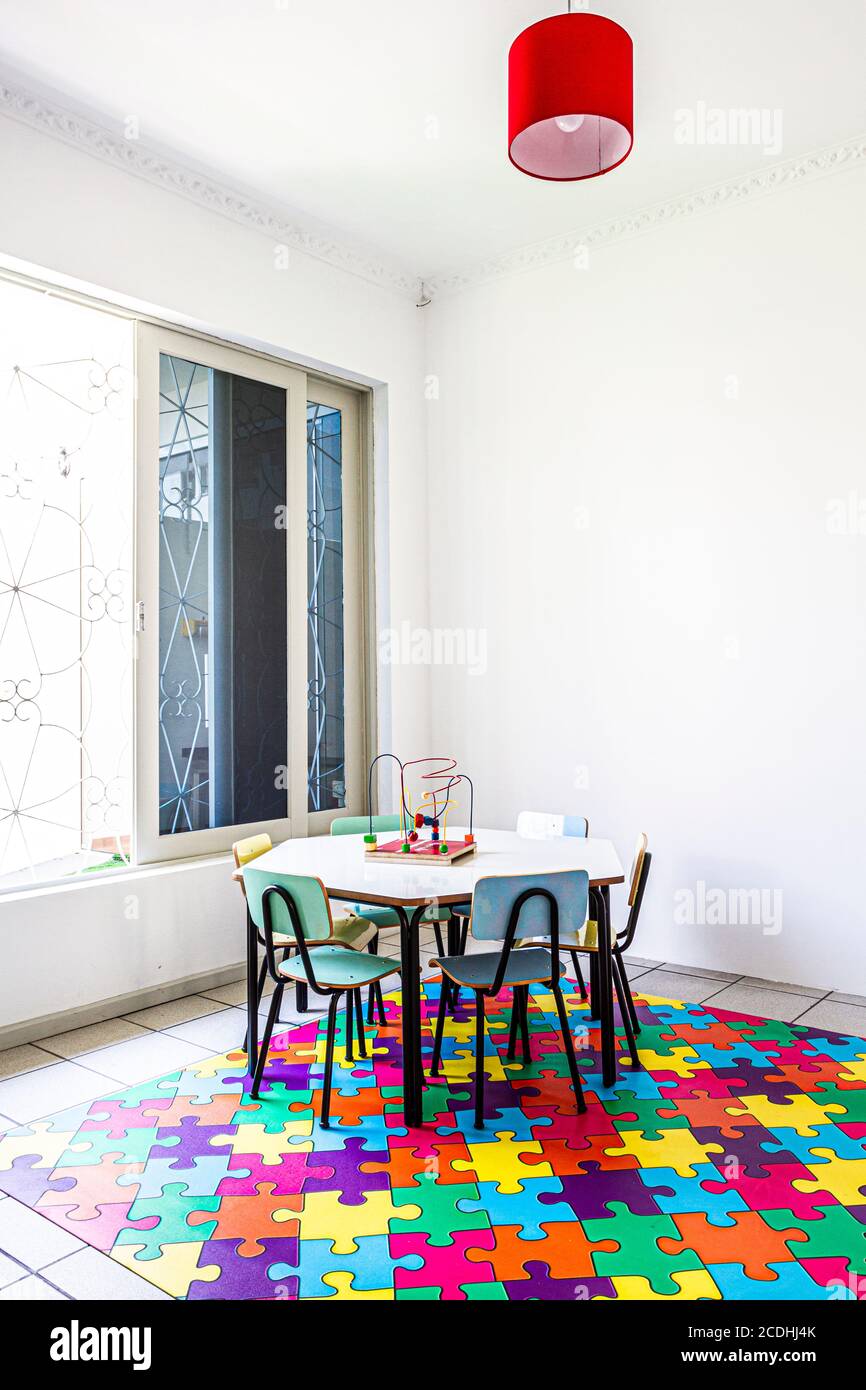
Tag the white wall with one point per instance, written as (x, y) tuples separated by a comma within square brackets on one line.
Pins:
[(650, 558), (74, 215)]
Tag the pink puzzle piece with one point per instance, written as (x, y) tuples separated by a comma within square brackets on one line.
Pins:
[(445, 1266), (103, 1229), (776, 1191)]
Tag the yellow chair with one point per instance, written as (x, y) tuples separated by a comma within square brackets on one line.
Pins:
[(586, 940), (349, 930)]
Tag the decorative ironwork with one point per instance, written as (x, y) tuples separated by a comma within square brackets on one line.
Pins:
[(184, 801), (326, 787), (65, 539)]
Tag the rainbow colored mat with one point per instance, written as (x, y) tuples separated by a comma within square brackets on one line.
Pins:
[(732, 1166)]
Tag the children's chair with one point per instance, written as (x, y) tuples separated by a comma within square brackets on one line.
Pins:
[(546, 825), (586, 940), (350, 930), (297, 907), (540, 905)]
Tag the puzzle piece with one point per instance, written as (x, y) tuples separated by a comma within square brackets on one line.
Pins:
[(749, 1234)]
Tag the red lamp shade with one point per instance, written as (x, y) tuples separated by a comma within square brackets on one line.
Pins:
[(570, 97)]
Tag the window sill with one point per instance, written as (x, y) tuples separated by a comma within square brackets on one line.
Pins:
[(133, 874)]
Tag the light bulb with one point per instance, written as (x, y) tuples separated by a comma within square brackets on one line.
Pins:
[(569, 124)]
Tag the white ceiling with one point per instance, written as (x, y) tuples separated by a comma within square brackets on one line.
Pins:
[(327, 107)]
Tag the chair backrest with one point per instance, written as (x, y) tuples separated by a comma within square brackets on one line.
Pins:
[(636, 867), (246, 850), (360, 825), (543, 825), (636, 884), (308, 895), (494, 898)]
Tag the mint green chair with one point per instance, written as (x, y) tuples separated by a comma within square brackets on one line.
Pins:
[(296, 906)]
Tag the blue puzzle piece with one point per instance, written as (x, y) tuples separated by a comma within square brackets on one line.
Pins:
[(721, 1058), (827, 1136), (675, 1194), (791, 1282), (372, 1264), (201, 1178), (521, 1208)]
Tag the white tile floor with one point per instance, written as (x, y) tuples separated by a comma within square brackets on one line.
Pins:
[(39, 1260)]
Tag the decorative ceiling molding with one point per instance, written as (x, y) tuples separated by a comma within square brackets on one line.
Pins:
[(47, 115), (774, 178)]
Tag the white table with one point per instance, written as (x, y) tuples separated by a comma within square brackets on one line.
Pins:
[(339, 862)]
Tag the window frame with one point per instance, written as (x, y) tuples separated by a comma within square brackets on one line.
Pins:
[(152, 338)]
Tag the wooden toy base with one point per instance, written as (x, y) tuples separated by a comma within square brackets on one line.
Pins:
[(422, 849)]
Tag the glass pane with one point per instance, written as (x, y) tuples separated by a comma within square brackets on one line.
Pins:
[(223, 690), (326, 747), (66, 437)]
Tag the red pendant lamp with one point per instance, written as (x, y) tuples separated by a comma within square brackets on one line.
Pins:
[(570, 97)]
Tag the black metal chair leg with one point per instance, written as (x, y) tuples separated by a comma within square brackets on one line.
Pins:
[(380, 1003), (440, 1027), (593, 987), (619, 964), (524, 1022), (259, 987), (350, 1014), (625, 1014), (276, 1000), (359, 1020), (479, 1059), (302, 1000), (515, 1018), (569, 1047), (373, 949), (461, 951), (329, 1061), (437, 932)]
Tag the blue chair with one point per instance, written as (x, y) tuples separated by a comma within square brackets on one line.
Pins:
[(296, 906), (537, 905)]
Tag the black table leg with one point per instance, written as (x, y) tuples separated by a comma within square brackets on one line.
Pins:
[(411, 992), (605, 986), (252, 995)]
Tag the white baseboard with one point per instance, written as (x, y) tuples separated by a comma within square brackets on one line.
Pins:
[(48, 1025)]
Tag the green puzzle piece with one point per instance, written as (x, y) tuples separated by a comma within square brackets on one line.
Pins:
[(639, 1254), (440, 1216), (173, 1227), (835, 1234)]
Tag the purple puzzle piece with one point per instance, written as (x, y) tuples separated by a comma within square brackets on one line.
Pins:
[(246, 1276), (541, 1285), (346, 1165), (193, 1141), (27, 1184), (587, 1193), (747, 1150)]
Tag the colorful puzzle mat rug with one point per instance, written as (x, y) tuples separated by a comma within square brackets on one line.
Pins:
[(732, 1166)]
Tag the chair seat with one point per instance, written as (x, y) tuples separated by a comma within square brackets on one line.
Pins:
[(584, 940), (478, 971), (338, 968), (350, 931)]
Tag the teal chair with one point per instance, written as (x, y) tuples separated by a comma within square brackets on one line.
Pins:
[(296, 906), (386, 916), (536, 905)]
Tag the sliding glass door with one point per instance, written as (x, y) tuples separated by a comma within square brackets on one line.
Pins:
[(250, 598)]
